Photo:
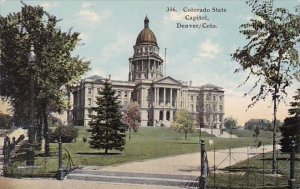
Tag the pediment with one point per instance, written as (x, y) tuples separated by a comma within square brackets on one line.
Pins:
[(168, 80)]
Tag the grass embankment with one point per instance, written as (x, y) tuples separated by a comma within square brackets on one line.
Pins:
[(148, 143)]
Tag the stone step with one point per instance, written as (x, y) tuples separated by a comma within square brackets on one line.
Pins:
[(134, 178)]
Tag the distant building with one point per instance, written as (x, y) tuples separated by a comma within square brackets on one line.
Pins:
[(159, 97)]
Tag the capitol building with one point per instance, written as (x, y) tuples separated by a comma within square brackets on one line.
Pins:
[(159, 96)]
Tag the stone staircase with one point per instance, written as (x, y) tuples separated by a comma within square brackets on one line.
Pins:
[(217, 133), (134, 178), (16, 133)]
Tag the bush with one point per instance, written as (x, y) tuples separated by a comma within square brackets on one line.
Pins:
[(84, 139), (68, 134)]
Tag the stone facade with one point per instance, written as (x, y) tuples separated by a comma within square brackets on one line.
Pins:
[(159, 97)]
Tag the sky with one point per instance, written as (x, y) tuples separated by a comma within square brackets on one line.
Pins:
[(108, 30)]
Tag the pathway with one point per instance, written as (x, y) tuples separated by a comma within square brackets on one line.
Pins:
[(171, 171)]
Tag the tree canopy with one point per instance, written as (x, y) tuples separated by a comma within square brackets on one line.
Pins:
[(131, 117), (230, 123), (54, 66), (270, 56), (184, 122)]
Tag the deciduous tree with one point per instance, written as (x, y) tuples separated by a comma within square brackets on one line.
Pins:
[(270, 56), (230, 123), (131, 117), (54, 66), (184, 122)]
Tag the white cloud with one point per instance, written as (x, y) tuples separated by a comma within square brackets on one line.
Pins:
[(2, 1), (208, 49), (83, 37), (86, 5), (122, 43), (48, 5), (91, 16)]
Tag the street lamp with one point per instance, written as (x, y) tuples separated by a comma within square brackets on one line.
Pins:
[(31, 133), (31, 60)]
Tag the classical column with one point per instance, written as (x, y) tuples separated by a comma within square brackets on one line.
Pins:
[(171, 115), (164, 96), (154, 96), (142, 98), (157, 96), (171, 97)]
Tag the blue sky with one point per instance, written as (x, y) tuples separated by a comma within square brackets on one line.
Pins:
[(109, 30)]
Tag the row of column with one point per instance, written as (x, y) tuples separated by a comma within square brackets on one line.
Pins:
[(133, 66), (156, 96)]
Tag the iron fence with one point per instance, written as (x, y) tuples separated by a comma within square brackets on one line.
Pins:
[(16, 162), (250, 168)]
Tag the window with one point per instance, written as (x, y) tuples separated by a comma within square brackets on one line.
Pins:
[(207, 97), (90, 112), (125, 93), (192, 98), (220, 118), (89, 101), (98, 90), (220, 97), (168, 115), (207, 118), (214, 98), (221, 108), (89, 91), (214, 108)]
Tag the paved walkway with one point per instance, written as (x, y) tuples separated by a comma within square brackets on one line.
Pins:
[(186, 164)]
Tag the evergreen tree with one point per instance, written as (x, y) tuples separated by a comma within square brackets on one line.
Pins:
[(291, 127), (108, 131)]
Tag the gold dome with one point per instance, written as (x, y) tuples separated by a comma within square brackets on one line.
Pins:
[(146, 36)]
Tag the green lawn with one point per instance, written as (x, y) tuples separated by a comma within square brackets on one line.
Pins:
[(148, 143)]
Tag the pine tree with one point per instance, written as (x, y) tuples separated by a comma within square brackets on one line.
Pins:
[(291, 127), (108, 131)]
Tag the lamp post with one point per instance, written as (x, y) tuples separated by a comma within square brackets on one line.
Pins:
[(31, 60), (31, 130)]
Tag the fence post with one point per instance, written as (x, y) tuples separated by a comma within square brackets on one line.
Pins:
[(60, 172), (202, 180), (292, 180)]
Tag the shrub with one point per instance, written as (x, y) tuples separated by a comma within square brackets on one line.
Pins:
[(68, 134)]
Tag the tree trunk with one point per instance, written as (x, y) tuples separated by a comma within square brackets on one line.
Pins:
[(274, 131), (129, 133), (106, 140), (46, 132), (39, 131)]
